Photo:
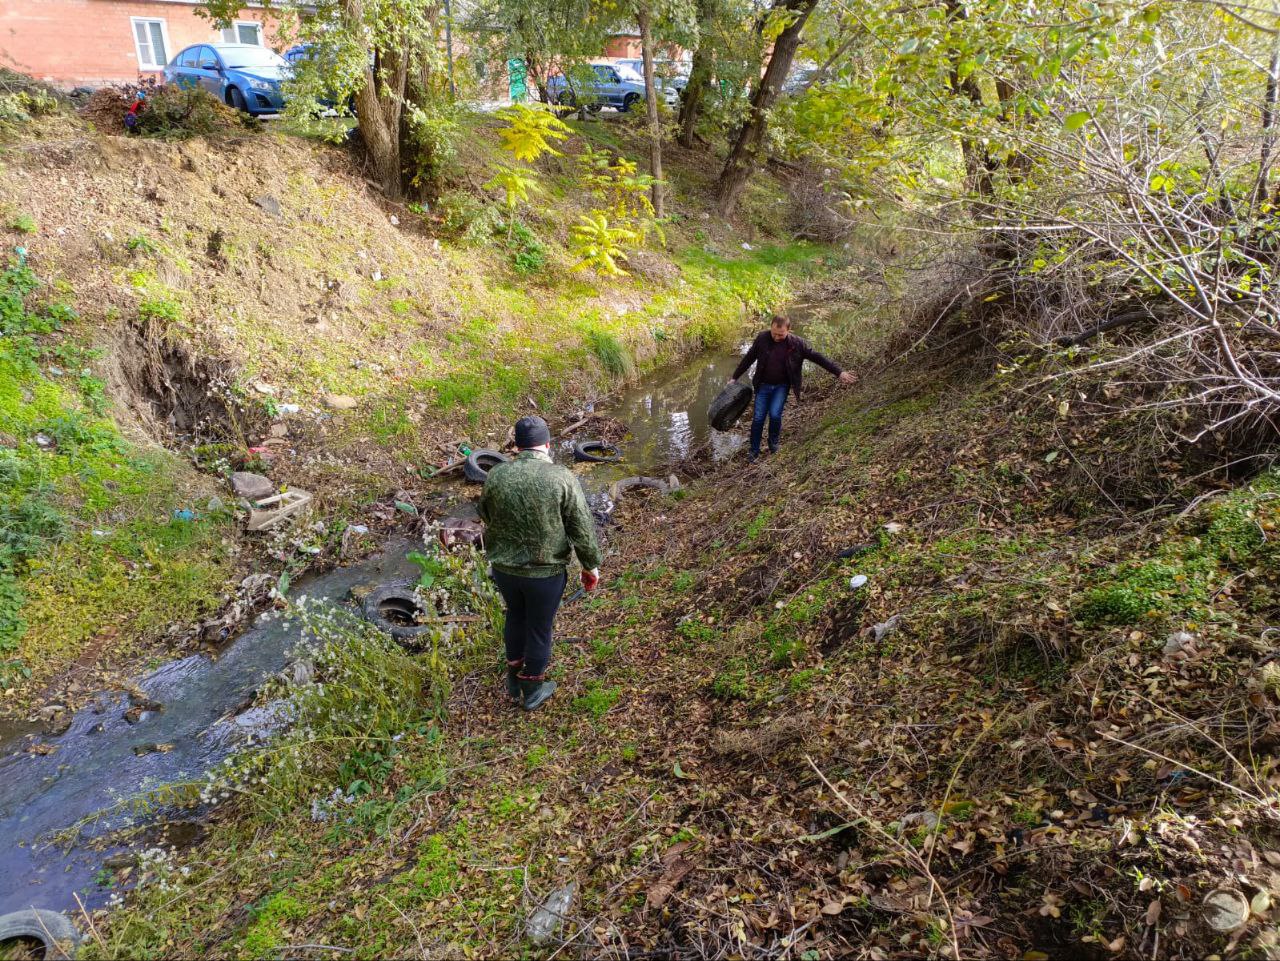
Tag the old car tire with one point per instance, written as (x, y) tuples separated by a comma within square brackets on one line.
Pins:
[(55, 931), (629, 101), (391, 609), (729, 405), (480, 462), (236, 99), (596, 452)]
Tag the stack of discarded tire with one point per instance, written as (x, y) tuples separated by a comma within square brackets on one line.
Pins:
[(729, 405)]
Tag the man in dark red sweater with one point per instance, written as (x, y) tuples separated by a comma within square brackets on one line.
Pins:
[(779, 356)]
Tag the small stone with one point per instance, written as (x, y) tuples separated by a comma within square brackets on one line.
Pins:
[(214, 504), (268, 204), (1225, 909), (251, 486), (395, 221), (264, 388), (278, 430), (340, 402)]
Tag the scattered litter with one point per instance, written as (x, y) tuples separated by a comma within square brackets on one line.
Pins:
[(288, 408), (358, 529), (882, 630), (395, 221), (856, 550), (1177, 641), (44, 441), (857, 581), (1226, 909), (274, 511), (893, 527), (101, 533), (184, 514), (264, 388), (406, 508), (925, 819), (549, 917), (747, 246)]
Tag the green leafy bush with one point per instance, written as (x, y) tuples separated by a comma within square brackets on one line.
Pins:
[(528, 255)]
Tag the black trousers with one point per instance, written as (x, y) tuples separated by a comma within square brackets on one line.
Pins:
[(532, 603)]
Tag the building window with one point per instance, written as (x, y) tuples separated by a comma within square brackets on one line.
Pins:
[(151, 40), (243, 31)]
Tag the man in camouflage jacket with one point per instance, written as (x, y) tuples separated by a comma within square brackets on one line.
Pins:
[(536, 519)]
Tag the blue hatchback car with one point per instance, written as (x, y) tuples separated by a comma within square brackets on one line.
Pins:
[(242, 75)]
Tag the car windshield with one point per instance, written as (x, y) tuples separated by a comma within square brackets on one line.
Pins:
[(241, 57), (627, 73)]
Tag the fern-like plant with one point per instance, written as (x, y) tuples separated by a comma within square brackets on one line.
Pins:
[(516, 184), (599, 246), (529, 131)]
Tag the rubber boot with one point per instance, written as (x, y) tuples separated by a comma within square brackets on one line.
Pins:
[(513, 681), (536, 692)]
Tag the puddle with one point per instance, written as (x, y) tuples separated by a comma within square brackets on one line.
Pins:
[(104, 757)]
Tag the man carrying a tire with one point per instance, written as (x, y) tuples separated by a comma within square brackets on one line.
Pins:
[(779, 356), (536, 519)]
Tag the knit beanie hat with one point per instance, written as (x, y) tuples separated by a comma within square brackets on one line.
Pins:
[(532, 432)]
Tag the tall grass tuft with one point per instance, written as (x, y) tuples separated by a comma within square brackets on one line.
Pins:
[(611, 352)]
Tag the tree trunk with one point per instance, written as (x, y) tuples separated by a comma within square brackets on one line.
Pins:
[(379, 103), (699, 77), (744, 157), (651, 102)]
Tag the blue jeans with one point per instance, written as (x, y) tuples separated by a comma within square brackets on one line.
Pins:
[(770, 399)]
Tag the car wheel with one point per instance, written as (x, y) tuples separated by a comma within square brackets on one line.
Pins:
[(235, 99), (629, 101)]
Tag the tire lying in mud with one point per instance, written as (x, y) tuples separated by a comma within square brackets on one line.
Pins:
[(596, 452), (480, 462), (53, 930), (636, 483), (728, 406), (394, 609)]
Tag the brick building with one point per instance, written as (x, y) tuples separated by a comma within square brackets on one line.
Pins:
[(72, 43)]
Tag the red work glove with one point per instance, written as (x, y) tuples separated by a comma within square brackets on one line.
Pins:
[(590, 579)]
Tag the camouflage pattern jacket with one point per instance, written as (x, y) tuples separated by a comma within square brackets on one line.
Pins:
[(535, 514)]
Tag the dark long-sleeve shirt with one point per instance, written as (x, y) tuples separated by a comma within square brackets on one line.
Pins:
[(767, 354)]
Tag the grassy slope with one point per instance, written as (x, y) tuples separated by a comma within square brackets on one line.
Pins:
[(427, 324), (737, 763)]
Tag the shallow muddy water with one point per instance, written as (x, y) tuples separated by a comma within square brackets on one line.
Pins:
[(122, 747)]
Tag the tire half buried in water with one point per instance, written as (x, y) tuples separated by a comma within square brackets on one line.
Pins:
[(596, 452), (729, 405)]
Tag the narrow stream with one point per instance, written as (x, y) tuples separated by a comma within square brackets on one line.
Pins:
[(194, 713)]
